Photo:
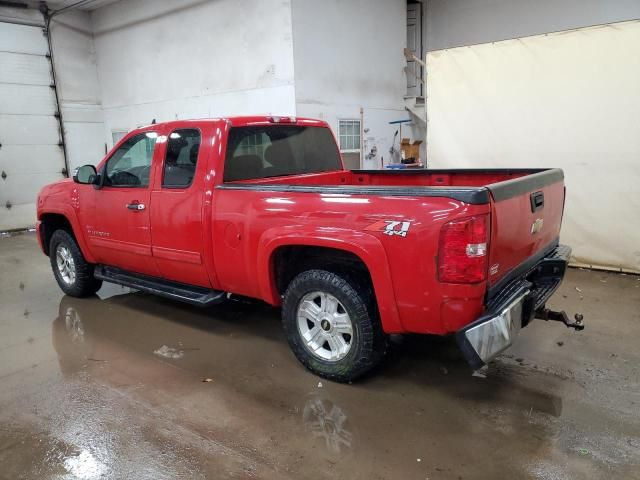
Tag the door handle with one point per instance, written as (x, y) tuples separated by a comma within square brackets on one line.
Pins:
[(136, 206)]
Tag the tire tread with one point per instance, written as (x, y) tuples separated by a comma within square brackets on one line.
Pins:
[(86, 284), (372, 345)]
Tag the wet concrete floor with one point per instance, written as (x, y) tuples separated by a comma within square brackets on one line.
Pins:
[(112, 387)]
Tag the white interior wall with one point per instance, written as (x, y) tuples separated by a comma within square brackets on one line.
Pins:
[(348, 55), (78, 87), (569, 100), (21, 15), (168, 59), (454, 23)]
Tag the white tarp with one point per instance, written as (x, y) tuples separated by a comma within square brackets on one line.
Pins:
[(568, 100)]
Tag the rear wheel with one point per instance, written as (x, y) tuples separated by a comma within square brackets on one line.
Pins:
[(73, 274), (332, 325)]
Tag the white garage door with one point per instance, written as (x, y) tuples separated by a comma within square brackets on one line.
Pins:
[(30, 155)]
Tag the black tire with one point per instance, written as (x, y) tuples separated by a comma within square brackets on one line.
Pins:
[(84, 283), (367, 344)]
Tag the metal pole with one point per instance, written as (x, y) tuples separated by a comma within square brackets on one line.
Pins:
[(47, 30), (48, 16)]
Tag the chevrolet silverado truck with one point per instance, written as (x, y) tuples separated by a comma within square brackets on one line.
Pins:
[(262, 207)]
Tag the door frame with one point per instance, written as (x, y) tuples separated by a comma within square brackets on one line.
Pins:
[(99, 239), (420, 87)]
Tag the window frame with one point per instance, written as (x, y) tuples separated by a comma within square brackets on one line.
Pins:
[(103, 170), (359, 135), (164, 159)]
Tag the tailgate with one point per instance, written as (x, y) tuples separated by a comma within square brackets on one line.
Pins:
[(526, 214)]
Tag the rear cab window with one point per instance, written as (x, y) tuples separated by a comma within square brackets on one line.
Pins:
[(264, 151)]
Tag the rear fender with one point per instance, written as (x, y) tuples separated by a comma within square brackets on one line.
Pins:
[(366, 247)]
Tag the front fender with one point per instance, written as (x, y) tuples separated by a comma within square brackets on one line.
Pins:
[(365, 246), (57, 203)]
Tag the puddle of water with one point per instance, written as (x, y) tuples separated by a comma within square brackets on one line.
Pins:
[(101, 402), (169, 352), (84, 466)]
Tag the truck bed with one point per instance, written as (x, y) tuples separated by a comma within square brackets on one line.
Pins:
[(466, 185), (515, 241)]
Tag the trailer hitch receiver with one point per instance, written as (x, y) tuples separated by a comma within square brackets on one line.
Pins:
[(547, 314)]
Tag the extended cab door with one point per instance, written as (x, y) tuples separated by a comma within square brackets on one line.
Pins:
[(117, 226), (177, 208)]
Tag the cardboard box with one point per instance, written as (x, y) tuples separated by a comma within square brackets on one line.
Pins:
[(410, 150)]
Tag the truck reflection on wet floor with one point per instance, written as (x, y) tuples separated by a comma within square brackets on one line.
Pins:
[(327, 421), (241, 341), (321, 417)]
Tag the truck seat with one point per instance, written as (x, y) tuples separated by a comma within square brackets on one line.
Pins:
[(243, 167)]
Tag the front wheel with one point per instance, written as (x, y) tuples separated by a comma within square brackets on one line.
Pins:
[(332, 325), (73, 274)]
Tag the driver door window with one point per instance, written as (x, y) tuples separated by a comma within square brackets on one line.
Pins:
[(129, 166)]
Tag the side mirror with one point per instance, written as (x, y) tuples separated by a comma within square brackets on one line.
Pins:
[(85, 175)]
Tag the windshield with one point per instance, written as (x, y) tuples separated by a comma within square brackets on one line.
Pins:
[(277, 150)]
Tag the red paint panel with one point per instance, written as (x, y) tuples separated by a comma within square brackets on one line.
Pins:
[(512, 239), (177, 216), (402, 268), (120, 246), (177, 255)]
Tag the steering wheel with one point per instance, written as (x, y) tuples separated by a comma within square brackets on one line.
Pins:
[(124, 178)]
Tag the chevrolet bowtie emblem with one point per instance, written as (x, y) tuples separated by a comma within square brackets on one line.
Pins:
[(536, 226)]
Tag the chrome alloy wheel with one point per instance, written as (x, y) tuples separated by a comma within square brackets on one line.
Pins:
[(66, 265), (325, 326)]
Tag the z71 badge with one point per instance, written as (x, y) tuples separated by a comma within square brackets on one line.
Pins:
[(390, 227)]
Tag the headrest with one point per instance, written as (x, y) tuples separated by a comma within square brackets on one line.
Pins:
[(279, 155), (243, 167), (193, 153)]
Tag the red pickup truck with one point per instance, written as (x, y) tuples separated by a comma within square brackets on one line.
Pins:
[(262, 207)]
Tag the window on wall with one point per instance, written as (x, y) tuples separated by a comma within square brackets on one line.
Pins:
[(117, 135), (254, 145), (349, 133)]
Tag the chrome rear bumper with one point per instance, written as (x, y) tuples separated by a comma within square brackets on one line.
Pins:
[(492, 334), (513, 307)]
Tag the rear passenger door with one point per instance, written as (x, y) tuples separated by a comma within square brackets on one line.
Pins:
[(176, 209)]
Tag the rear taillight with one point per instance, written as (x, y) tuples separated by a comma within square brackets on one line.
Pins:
[(462, 251)]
